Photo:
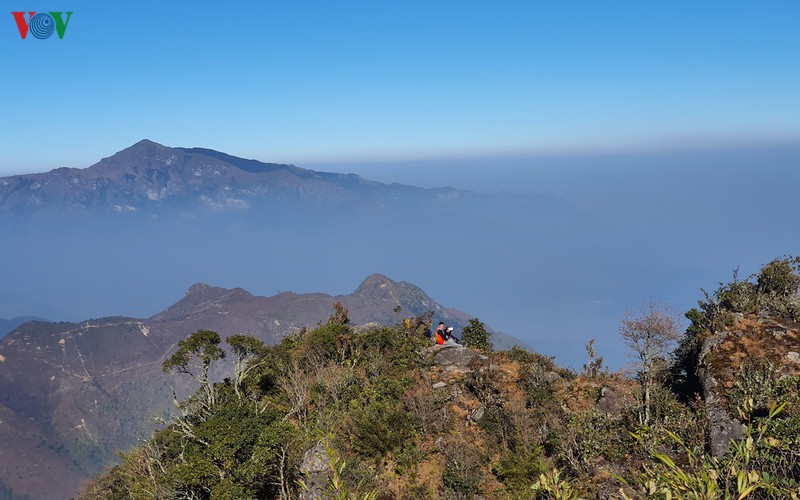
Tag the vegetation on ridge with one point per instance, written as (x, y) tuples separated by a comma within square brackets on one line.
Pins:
[(341, 412)]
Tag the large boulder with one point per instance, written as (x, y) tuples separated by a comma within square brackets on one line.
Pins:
[(457, 357)]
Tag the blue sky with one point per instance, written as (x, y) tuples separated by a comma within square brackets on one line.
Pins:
[(338, 81)]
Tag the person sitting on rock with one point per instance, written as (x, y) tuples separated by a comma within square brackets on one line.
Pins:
[(450, 339), (441, 334)]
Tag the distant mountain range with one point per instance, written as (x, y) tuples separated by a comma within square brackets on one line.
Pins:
[(73, 393), (148, 178)]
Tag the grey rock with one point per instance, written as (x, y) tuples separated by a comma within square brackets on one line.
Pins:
[(316, 468), (477, 413), (367, 327), (711, 342), (793, 357), (721, 429), (609, 403), (553, 377), (457, 356), (779, 332), (439, 385)]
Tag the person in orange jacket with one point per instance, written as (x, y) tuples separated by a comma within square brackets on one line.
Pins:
[(441, 335)]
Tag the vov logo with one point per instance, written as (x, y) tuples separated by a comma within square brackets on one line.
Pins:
[(42, 25)]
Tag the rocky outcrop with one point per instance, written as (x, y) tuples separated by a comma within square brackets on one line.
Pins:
[(720, 358), (457, 358), (722, 427)]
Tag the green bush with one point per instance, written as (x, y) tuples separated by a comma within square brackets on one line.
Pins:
[(778, 284), (778, 278), (738, 296), (754, 387), (379, 426), (518, 471), (330, 341), (476, 336), (589, 439)]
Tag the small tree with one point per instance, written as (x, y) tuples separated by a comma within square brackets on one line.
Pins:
[(339, 316), (593, 368), (193, 357), (249, 352), (475, 335), (649, 335)]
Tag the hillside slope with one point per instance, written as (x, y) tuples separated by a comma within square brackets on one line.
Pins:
[(381, 413), (73, 393)]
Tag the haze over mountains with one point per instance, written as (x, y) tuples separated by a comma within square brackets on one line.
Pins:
[(556, 268), (122, 235)]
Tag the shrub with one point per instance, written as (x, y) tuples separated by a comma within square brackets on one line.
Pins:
[(329, 341), (476, 336), (462, 476), (593, 367), (590, 439), (754, 387), (778, 278), (777, 286), (379, 426), (738, 296), (518, 471), (533, 379)]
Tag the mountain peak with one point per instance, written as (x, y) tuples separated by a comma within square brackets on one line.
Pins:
[(142, 146), (146, 143), (379, 288), (373, 282), (197, 288)]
